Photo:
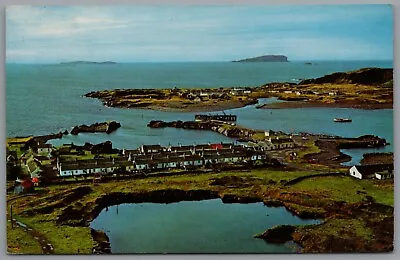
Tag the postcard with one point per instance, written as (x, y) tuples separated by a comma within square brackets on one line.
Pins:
[(153, 129)]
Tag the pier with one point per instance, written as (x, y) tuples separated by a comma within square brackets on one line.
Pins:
[(224, 118)]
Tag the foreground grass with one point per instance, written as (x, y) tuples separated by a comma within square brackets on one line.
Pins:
[(349, 189), (313, 195), (20, 242)]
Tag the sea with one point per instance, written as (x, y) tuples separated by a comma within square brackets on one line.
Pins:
[(48, 98)]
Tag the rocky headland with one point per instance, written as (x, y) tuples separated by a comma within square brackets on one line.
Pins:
[(342, 89), (177, 99), (367, 88)]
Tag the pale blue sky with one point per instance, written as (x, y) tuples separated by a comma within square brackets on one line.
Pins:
[(198, 33)]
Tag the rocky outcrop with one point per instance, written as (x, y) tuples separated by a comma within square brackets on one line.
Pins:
[(365, 141), (104, 127), (366, 76), (278, 234), (102, 242)]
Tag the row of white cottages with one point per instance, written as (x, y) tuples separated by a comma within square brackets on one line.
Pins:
[(152, 162)]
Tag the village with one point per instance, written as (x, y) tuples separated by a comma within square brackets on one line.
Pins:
[(43, 161), (32, 162)]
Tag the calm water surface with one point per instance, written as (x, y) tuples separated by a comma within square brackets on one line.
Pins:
[(43, 99), (207, 226)]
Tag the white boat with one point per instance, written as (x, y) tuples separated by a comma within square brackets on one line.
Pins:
[(342, 120)]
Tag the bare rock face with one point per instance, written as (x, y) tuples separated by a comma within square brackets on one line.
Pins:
[(104, 127)]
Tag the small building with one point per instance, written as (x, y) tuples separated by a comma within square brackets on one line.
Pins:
[(281, 143), (44, 148), (269, 133), (378, 171), (141, 163), (237, 91), (151, 149)]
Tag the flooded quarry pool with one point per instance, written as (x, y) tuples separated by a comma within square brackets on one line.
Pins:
[(207, 226)]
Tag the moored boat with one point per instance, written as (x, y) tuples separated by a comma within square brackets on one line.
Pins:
[(342, 120)]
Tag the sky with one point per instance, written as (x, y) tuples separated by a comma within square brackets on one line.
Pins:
[(158, 33)]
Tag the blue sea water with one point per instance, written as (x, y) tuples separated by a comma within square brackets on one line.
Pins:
[(47, 98), (44, 99)]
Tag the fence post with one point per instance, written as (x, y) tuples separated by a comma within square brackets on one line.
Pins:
[(11, 213)]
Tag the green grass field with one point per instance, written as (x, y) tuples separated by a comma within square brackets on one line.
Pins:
[(311, 195)]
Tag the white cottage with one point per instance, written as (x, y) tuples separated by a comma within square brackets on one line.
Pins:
[(44, 148), (378, 171)]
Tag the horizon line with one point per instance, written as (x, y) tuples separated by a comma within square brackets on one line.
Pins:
[(211, 61)]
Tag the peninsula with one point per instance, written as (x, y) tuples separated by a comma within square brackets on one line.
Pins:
[(265, 58), (342, 89)]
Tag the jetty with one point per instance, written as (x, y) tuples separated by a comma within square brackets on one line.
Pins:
[(217, 117)]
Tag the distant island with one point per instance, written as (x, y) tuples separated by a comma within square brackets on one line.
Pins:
[(87, 62), (265, 58)]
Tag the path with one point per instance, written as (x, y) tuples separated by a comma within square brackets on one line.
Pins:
[(46, 246)]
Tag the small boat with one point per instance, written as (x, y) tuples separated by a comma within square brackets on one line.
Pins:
[(342, 120)]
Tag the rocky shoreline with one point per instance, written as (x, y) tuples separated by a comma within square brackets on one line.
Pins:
[(311, 104), (100, 127)]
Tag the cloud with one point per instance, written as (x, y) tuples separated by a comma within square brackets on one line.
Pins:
[(197, 33)]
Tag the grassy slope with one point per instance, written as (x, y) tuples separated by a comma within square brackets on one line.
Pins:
[(19, 242), (348, 189), (307, 195)]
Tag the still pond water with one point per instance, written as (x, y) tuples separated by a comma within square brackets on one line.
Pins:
[(207, 226)]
